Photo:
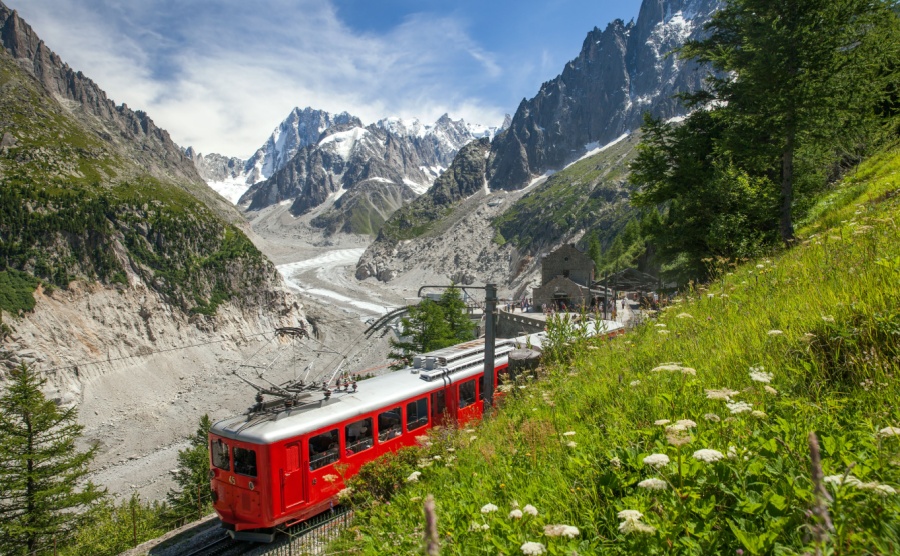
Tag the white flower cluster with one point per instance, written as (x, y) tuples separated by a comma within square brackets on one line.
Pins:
[(721, 394), (656, 460), (684, 316), (889, 431), (414, 477), (530, 510), (479, 527), (758, 374), (533, 549), (775, 333), (739, 407), (561, 531), (488, 508), (850, 480), (708, 455), (515, 514), (674, 368), (653, 484), (632, 523)]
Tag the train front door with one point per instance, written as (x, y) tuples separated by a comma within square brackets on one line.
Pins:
[(292, 482), (438, 407)]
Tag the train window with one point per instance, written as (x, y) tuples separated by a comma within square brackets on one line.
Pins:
[(220, 454), (467, 393), (359, 436), (323, 449), (416, 414), (244, 461), (389, 424)]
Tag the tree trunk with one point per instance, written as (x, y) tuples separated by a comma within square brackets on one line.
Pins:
[(787, 189)]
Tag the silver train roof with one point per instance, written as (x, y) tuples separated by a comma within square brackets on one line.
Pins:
[(381, 392)]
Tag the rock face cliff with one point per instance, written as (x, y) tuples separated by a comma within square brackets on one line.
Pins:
[(600, 96), (96, 204), (620, 73), (129, 132)]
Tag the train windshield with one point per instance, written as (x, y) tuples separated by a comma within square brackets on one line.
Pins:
[(219, 452), (245, 461)]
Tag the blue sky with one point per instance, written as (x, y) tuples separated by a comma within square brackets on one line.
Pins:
[(220, 75)]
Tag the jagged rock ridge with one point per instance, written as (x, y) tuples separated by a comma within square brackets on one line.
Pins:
[(368, 172), (621, 72)]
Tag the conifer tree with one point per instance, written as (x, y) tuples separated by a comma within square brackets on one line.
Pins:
[(41, 471), (192, 475), (431, 325)]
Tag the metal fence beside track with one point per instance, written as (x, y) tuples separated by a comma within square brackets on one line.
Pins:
[(309, 538)]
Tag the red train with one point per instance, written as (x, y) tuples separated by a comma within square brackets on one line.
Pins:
[(281, 464)]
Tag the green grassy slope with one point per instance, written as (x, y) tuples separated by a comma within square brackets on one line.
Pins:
[(74, 206), (823, 319), (590, 194)]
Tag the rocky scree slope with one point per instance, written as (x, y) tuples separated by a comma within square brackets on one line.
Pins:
[(97, 199), (365, 172)]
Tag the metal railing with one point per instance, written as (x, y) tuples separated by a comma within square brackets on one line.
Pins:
[(311, 538)]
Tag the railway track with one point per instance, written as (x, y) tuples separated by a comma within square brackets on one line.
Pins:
[(222, 546)]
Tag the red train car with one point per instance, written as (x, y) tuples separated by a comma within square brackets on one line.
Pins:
[(276, 466)]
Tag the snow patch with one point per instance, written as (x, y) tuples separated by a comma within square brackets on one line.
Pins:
[(343, 142), (593, 148), (232, 188), (417, 188)]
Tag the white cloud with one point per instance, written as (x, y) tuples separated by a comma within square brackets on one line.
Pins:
[(222, 78)]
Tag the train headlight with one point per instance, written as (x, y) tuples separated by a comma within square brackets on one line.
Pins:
[(251, 485), (212, 474)]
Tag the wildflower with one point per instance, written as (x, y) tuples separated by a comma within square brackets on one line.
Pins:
[(632, 523), (708, 455), (479, 527), (774, 332), (423, 463), (771, 390), (634, 383), (488, 508), (684, 316), (758, 414), (663, 332), (451, 449), (468, 430), (661, 422), (686, 423), (889, 431), (675, 428), (841, 480), (561, 531), (660, 325), (533, 549), (345, 493), (712, 417), (330, 478), (530, 510), (732, 452), (615, 462), (414, 477), (828, 318), (436, 458), (760, 266), (760, 376), (630, 514), (571, 444), (721, 394), (653, 484), (884, 490), (656, 460), (515, 514), (739, 407), (569, 433), (674, 368), (677, 436), (473, 437)]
